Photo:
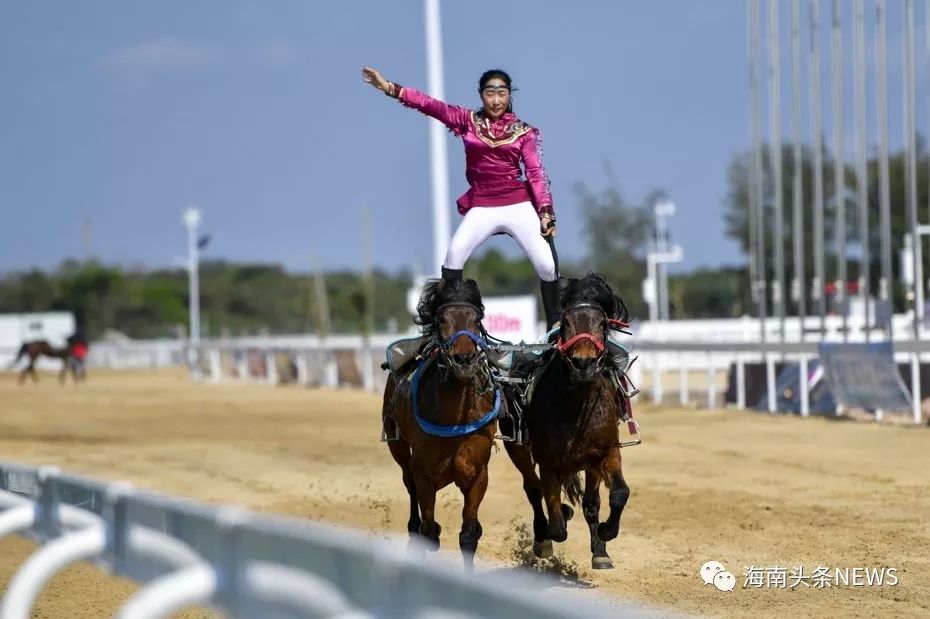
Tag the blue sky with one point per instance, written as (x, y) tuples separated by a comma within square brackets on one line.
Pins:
[(124, 113)]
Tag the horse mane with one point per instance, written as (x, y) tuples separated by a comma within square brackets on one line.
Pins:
[(593, 288), (437, 293)]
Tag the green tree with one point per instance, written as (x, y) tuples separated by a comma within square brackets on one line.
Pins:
[(736, 215), (618, 234)]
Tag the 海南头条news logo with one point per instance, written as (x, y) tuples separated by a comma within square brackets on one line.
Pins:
[(798, 576)]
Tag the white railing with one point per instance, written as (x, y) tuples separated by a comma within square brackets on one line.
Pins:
[(682, 346), (246, 565), (657, 358)]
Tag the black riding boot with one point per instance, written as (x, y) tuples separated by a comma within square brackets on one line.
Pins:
[(551, 302), (451, 275)]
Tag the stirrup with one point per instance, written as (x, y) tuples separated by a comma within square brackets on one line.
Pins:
[(517, 437), (626, 385), (633, 428), (626, 416), (385, 438)]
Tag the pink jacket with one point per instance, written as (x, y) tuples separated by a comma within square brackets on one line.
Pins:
[(493, 152)]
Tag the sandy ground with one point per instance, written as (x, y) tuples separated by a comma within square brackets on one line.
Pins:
[(740, 488)]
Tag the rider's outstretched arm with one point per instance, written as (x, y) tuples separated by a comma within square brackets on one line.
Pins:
[(454, 117)]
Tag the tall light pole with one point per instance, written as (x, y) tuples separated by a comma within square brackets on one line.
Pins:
[(437, 139), (778, 230), (862, 176), (819, 265), (881, 88), (910, 129), (759, 286), (192, 219), (797, 283), (839, 164)]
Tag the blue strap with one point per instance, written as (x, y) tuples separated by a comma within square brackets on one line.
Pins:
[(450, 431), (477, 339)]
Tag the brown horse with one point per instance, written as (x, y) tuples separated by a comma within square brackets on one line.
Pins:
[(446, 412), (41, 347), (572, 420)]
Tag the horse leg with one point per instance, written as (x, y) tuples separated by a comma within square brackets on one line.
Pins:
[(591, 504), (31, 368), (426, 497), (63, 373), (400, 450), (471, 527), (552, 492), (522, 458), (618, 496)]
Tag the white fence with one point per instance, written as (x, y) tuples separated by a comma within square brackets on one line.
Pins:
[(682, 346), (245, 565)]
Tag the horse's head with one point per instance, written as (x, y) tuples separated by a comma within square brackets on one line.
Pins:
[(589, 307), (452, 313)]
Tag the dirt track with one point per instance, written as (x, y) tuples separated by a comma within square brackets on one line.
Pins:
[(740, 488)]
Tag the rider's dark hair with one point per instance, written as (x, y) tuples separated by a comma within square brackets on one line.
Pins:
[(490, 74)]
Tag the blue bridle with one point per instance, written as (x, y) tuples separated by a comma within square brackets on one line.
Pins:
[(479, 341)]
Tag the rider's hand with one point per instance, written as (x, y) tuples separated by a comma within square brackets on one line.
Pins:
[(547, 225), (371, 76)]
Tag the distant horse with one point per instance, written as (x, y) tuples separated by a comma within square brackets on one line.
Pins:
[(446, 412), (72, 357), (572, 420)]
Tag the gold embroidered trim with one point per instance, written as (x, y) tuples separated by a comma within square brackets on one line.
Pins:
[(512, 133)]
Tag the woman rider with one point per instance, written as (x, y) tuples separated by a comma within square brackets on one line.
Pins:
[(501, 198)]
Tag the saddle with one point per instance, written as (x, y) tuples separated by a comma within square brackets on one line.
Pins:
[(521, 368), (518, 368), (401, 354), (401, 358), (409, 357)]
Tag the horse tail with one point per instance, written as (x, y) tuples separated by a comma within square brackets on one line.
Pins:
[(573, 489)]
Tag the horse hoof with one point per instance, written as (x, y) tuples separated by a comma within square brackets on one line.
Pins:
[(567, 512), (543, 549), (601, 563)]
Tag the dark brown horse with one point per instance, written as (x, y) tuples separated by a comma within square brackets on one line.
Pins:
[(572, 420), (446, 412), (71, 359)]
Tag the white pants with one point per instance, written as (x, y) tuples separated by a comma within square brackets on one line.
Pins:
[(520, 221)]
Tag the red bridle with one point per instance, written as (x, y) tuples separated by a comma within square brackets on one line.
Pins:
[(564, 346)]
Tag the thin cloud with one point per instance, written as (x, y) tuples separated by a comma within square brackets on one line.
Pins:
[(143, 60)]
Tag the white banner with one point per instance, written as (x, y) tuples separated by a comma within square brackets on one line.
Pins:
[(511, 318)]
